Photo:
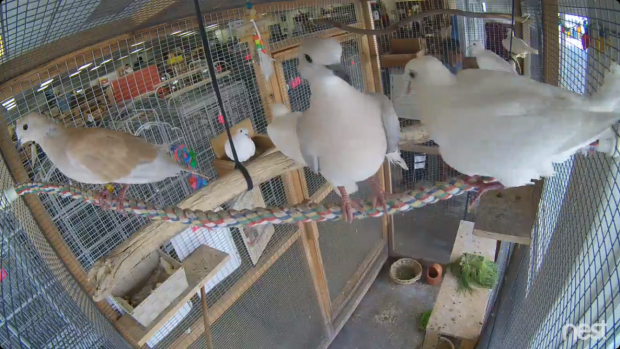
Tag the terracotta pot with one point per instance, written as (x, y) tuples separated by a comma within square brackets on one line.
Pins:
[(434, 274)]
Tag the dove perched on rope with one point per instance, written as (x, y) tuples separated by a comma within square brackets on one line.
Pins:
[(99, 155), (508, 127), (519, 47), (244, 145), (489, 60), (342, 134)]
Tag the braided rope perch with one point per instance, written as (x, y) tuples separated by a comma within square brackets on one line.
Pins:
[(305, 212)]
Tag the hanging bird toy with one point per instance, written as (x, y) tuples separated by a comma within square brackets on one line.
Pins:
[(183, 153)]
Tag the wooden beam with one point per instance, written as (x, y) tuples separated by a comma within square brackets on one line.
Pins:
[(234, 293), (372, 48), (551, 45), (49, 230), (310, 239)]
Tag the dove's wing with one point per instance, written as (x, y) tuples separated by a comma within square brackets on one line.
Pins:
[(390, 121), (510, 127), (283, 133), (110, 154), (310, 159), (488, 60)]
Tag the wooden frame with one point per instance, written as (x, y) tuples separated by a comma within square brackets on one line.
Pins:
[(155, 233), (551, 33)]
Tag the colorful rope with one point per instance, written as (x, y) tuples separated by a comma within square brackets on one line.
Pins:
[(305, 212)]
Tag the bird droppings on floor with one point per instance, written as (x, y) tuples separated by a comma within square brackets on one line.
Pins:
[(388, 317)]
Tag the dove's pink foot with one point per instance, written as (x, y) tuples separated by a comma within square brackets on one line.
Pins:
[(104, 198), (378, 194), (481, 188), (121, 198), (348, 205)]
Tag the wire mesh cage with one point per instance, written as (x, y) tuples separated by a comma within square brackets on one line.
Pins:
[(156, 84)]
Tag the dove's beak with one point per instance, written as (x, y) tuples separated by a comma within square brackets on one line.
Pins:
[(340, 72), (409, 87), (18, 144)]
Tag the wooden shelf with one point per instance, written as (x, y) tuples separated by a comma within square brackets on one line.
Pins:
[(507, 215), (200, 267), (459, 314)]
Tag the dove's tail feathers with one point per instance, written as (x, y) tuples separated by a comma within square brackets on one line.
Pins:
[(350, 188), (532, 50), (395, 158)]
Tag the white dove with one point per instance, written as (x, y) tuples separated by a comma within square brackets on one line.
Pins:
[(244, 146), (519, 47), (341, 135), (508, 127), (283, 133), (489, 60), (99, 155)]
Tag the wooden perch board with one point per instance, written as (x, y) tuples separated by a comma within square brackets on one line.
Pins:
[(460, 314), (507, 215), (106, 272), (199, 267)]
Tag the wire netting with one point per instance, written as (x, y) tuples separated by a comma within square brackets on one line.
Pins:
[(156, 85)]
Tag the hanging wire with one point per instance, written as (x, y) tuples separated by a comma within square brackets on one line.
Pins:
[(218, 95)]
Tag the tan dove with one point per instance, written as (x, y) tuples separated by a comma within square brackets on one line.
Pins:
[(99, 155)]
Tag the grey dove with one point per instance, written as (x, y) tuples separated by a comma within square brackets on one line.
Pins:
[(99, 155)]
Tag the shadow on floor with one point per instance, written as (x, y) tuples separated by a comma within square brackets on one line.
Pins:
[(388, 317)]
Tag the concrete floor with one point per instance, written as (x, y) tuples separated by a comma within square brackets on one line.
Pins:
[(388, 317)]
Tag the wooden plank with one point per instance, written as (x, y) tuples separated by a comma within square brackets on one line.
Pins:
[(461, 314), (233, 294), (355, 280), (49, 230), (551, 45), (200, 267), (372, 47), (507, 215), (431, 340), (310, 239)]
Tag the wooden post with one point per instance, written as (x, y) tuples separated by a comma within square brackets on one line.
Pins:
[(371, 48), (551, 45), (205, 317)]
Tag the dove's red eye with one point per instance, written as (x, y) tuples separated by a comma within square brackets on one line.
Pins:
[(25, 127)]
